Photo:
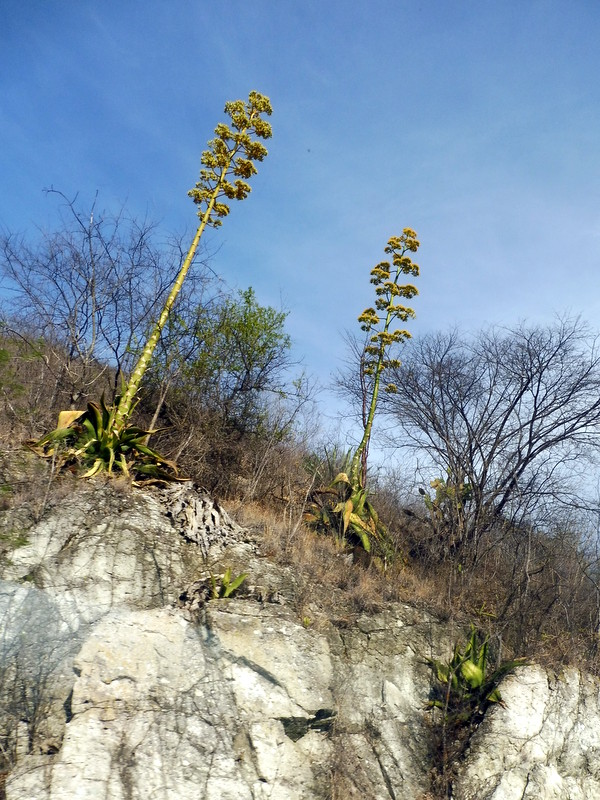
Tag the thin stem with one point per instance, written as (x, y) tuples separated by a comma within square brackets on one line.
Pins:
[(355, 478), (126, 401)]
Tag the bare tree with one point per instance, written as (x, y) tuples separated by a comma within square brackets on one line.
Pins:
[(90, 290), (508, 419)]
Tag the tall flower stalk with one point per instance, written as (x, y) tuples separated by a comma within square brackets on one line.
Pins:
[(343, 507), (378, 321), (101, 437), (228, 164)]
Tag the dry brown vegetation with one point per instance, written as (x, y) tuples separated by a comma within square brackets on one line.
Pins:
[(534, 588), (534, 591)]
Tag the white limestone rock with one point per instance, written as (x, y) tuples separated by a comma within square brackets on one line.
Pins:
[(142, 698), (544, 742)]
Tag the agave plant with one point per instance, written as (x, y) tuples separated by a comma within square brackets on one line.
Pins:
[(89, 439), (344, 510), (225, 585), (466, 685), (227, 165), (378, 322), (463, 689), (102, 438), (352, 513)]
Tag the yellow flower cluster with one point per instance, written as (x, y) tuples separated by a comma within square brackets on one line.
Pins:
[(368, 318), (232, 154), (387, 289)]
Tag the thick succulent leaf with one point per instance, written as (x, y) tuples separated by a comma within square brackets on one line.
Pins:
[(123, 465), (57, 435), (347, 514), (166, 462), (371, 512), (90, 431), (366, 525), (440, 669), (147, 451), (111, 458), (234, 584), (472, 674), (435, 704), (359, 498), (494, 696), (67, 418), (94, 417), (341, 477), (97, 466), (108, 413), (364, 540), (133, 430), (483, 655)]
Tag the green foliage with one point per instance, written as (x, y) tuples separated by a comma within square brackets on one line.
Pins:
[(343, 510), (225, 585), (241, 349), (222, 384), (325, 502), (466, 685), (463, 689), (90, 439), (447, 505)]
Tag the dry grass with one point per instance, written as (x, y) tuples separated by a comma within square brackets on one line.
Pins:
[(332, 580), (536, 595), (547, 613)]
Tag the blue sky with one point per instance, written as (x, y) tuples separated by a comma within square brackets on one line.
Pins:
[(475, 123)]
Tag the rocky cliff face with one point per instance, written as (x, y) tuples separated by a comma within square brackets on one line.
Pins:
[(119, 682)]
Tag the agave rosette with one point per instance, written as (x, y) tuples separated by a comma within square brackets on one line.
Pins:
[(90, 438)]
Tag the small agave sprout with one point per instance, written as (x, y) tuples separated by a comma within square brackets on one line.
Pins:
[(226, 584), (101, 438)]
